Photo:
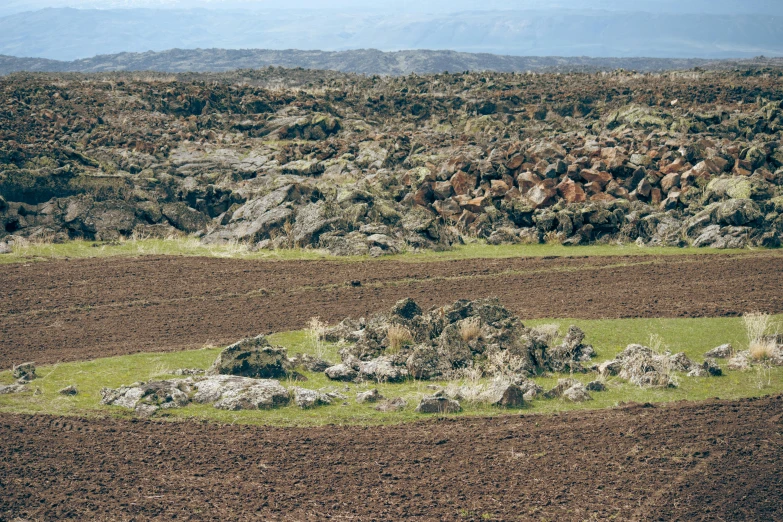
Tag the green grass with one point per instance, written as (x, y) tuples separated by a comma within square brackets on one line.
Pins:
[(692, 336), (189, 246)]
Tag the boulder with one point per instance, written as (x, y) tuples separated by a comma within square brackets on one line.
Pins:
[(571, 191), (341, 372), (13, 388), (577, 393), (740, 361), (147, 398), (397, 404), (369, 396), (229, 392), (560, 388), (723, 351), (382, 369), (737, 212), (5, 248), (645, 368), (596, 386), (680, 362), (69, 390), (438, 404), (309, 363), (24, 372), (711, 367), (253, 357), (306, 399), (504, 395), (406, 309)]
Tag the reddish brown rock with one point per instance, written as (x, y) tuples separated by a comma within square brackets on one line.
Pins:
[(540, 196), (670, 181), (442, 189), (448, 208), (602, 196), (498, 188), (616, 190), (515, 162), (594, 176), (571, 191), (655, 196), (526, 181), (424, 196), (462, 183), (476, 205), (644, 188)]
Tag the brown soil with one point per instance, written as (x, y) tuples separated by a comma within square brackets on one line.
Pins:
[(83, 309), (715, 460)]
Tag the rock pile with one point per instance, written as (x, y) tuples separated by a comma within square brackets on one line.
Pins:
[(363, 165), (408, 342)]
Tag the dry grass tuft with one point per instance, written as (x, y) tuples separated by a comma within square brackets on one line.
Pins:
[(549, 333), (398, 337), (315, 334), (761, 345), (470, 329)]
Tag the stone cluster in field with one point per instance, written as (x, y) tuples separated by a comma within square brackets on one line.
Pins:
[(370, 165), (448, 341), (481, 349)]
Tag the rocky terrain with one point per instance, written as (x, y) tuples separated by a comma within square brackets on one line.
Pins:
[(374, 165), (363, 61)]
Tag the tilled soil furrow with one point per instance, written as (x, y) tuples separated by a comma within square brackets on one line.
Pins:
[(717, 460)]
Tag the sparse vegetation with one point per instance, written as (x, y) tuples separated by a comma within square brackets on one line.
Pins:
[(761, 340), (470, 329), (397, 336), (694, 337)]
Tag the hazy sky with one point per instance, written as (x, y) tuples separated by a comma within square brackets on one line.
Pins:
[(706, 6)]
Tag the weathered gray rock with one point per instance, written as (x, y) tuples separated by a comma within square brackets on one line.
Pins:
[(645, 368), (723, 351), (740, 361), (13, 388), (69, 390), (712, 368), (253, 357), (147, 398), (596, 386), (24, 372), (680, 362), (560, 388), (610, 368), (228, 392), (309, 363), (382, 369), (369, 396), (437, 404), (577, 393), (5, 248), (341, 372), (397, 404), (306, 399), (504, 395)]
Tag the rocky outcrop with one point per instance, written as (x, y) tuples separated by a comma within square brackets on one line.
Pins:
[(253, 357), (376, 166)]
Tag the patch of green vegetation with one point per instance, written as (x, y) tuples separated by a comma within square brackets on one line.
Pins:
[(190, 246), (609, 337)]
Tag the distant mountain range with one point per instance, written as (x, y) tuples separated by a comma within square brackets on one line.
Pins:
[(366, 61), (68, 34)]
